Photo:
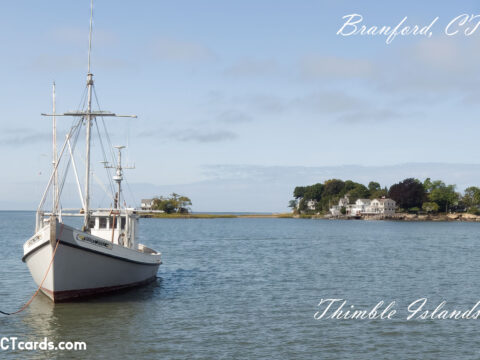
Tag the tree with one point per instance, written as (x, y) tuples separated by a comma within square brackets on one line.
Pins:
[(313, 192), (358, 192), (184, 204), (174, 203), (443, 195), (292, 204), (430, 207), (374, 186), (471, 196), (428, 185), (333, 187), (298, 192), (378, 194), (408, 193)]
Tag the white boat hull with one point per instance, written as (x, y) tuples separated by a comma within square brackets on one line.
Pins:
[(85, 265)]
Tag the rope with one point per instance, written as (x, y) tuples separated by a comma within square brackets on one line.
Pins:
[(43, 280)]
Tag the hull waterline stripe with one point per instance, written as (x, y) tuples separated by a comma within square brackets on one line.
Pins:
[(69, 295)]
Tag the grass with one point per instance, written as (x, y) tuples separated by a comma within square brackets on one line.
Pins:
[(214, 216)]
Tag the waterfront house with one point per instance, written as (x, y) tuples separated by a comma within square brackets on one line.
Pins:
[(382, 206), (364, 207), (360, 207), (311, 204), (147, 204), (336, 210)]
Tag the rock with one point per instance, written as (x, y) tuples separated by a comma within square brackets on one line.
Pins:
[(469, 217)]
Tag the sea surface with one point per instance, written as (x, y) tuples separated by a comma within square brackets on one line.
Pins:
[(249, 289)]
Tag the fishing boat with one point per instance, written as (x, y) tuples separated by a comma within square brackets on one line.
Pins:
[(101, 253)]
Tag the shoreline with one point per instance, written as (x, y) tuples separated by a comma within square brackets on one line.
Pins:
[(462, 217)]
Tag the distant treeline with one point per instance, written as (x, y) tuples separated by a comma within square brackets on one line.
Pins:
[(411, 195)]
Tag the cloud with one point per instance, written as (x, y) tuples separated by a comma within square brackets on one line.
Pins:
[(463, 175), (266, 103), (335, 67), (180, 50), (252, 68), (234, 117), (429, 68), (190, 135), (369, 115), (330, 102), (23, 137), (204, 136), (344, 107)]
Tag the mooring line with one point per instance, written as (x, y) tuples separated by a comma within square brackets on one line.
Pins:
[(43, 280)]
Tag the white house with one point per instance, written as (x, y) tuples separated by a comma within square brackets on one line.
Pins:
[(382, 206), (146, 204), (364, 207), (336, 210), (311, 204), (360, 207)]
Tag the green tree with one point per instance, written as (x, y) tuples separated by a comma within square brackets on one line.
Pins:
[(428, 185), (333, 187), (292, 204), (471, 196), (174, 203), (184, 204), (378, 194), (430, 207), (298, 192), (313, 192), (444, 195), (374, 186), (358, 192)]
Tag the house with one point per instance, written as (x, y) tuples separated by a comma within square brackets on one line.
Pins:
[(336, 210), (147, 204), (360, 207), (311, 204), (382, 206), (364, 207)]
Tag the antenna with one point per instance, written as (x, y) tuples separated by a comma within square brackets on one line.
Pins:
[(118, 177)]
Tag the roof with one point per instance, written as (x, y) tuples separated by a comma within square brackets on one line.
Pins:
[(364, 200), (383, 200)]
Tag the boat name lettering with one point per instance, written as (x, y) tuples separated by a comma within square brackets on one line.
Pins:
[(33, 240), (94, 241)]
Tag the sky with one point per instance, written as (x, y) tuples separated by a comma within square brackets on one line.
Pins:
[(238, 102)]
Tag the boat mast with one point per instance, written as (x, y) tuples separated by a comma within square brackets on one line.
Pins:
[(88, 125), (88, 116), (54, 154)]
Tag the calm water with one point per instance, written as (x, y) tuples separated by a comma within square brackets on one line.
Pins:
[(248, 289)]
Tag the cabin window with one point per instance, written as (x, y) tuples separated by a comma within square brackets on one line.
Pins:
[(91, 223), (124, 221), (103, 222)]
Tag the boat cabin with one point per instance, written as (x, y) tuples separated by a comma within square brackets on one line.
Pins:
[(118, 227)]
